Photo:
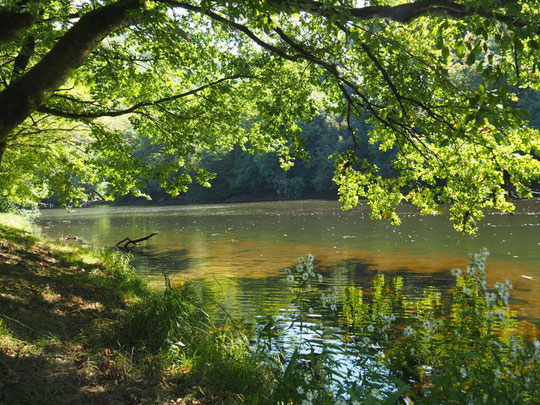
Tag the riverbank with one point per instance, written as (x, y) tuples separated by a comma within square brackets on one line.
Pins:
[(73, 330), (78, 326)]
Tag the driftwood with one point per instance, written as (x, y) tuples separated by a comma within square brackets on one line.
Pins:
[(135, 242)]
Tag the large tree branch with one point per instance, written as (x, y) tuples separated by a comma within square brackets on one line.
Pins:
[(233, 24), (134, 107), (28, 93), (403, 13), (23, 58)]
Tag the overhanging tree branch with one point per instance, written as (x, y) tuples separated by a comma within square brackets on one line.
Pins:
[(13, 24), (402, 13), (23, 58), (233, 24), (27, 94), (135, 107)]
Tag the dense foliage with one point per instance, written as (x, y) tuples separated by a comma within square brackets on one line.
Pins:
[(244, 176), (436, 81)]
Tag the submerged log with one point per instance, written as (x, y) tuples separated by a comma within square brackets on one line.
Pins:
[(134, 242)]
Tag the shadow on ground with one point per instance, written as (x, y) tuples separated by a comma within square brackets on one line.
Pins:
[(54, 311)]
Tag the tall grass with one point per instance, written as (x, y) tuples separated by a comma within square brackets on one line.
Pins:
[(117, 265), (171, 325)]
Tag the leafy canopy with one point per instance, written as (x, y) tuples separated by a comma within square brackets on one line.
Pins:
[(436, 81)]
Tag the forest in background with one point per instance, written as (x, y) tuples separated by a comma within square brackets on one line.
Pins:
[(242, 175)]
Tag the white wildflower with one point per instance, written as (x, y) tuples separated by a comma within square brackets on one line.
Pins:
[(377, 395), (370, 328), (309, 395), (300, 390), (456, 272), (491, 298), (324, 299), (463, 372), (290, 278), (408, 331), (428, 325), (501, 314), (320, 277)]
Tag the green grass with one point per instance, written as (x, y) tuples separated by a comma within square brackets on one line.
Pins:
[(171, 325), (15, 221)]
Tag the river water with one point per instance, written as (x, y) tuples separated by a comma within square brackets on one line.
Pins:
[(236, 253)]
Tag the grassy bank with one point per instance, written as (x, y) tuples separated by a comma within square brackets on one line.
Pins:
[(78, 326)]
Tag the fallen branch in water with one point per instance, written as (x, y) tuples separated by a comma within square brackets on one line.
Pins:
[(135, 242)]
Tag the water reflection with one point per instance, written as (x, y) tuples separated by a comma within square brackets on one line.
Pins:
[(178, 260), (240, 250)]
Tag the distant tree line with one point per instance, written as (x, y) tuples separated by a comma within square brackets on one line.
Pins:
[(242, 175)]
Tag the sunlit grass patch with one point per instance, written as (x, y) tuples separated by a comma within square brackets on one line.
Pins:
[(15, 221), (50, 296), (6, 338), (56, 303)]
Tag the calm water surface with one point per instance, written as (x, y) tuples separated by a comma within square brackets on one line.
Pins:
[(237, 252)]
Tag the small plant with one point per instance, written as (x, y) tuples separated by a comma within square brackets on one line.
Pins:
[(118, 266), (161, 320)]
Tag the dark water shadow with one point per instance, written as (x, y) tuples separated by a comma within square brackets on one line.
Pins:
[(153, 261)]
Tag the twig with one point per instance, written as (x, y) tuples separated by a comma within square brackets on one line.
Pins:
[(134, 241), (20, 323)]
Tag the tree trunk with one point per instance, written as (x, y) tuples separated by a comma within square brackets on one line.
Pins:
[(29, 91)]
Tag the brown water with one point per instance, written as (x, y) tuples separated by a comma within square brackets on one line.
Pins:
[(240, 250)]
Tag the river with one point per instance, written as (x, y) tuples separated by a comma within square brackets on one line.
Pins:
[(236, 253)]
